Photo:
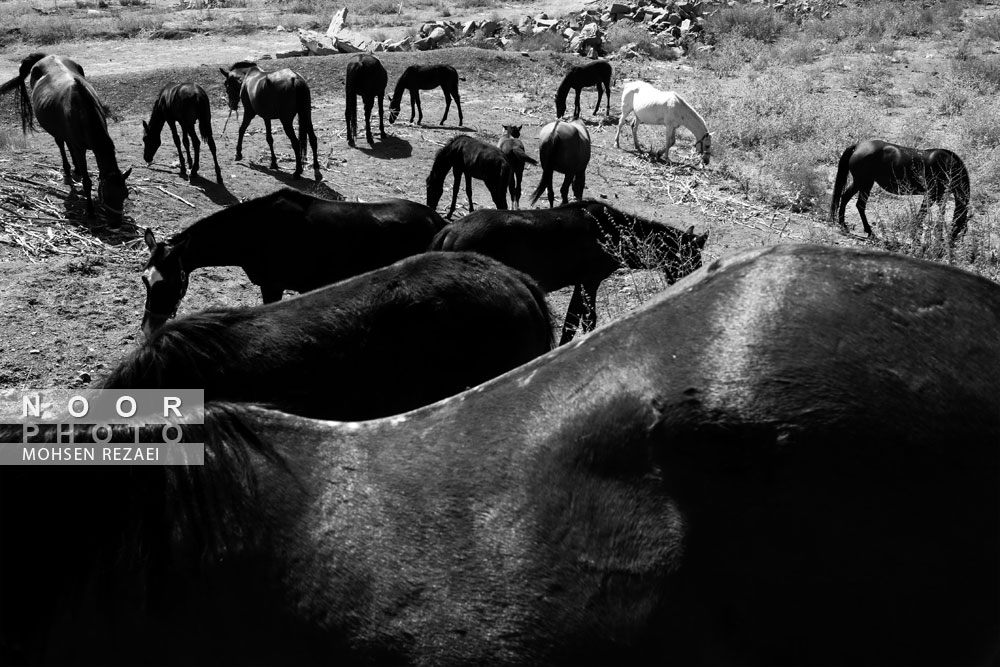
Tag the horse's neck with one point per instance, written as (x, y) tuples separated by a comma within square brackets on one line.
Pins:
[(218, 240), (563, 91), (158, 117), (690, 119), (397, 94), (104, 153)]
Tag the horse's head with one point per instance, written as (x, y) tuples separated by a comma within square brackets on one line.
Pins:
[(683, 256), (560, 105), (150, 143), (512, 131), (704, 147), (166, 282), (435, 186), (112, 191), (234, 82)]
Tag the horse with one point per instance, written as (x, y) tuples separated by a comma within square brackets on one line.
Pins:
[(563, 147), (510, 145), (902, 170), (475, 159), (69, 109), (183, 103), (377, 344), (577, 244), (426, 77), (278, 95), (776, 461), (662, 107), (597, 73), (366, 76), (285, 240)]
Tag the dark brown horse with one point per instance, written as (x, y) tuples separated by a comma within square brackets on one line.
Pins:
[(579, 244), (286, 240), (791, 458), (563, 147), (366, 76), (184, 104), (373, 345), (68, 108), (473, 158), (426, 77), (902, 170), (280, 95), (597, 73), (510, 144)]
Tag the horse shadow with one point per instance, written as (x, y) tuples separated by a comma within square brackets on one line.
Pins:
[(390, 148), (98, 226), (217, 192), (307, 185)]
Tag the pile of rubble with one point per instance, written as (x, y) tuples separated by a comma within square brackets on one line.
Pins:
[(669, 24)]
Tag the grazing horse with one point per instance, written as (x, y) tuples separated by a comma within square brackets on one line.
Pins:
[(184, 103), (902, 170), (790, 458), (475, 159), (597, 73), (366, 76), (578, 244), (374, 345), (662, 107), (426, 77), (68, 108), (279, 95), (510, 144), (563, 147), (285, 240)]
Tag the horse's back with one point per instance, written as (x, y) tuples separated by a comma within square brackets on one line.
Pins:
[(66, 105)]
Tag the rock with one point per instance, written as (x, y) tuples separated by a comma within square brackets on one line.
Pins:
[(619, 8), (469, 28), (568, 33), (423, 44), (674, 19), (489, 28), (337, 22), (401, 45)]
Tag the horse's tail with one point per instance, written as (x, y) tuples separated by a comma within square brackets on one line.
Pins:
[(546, 180), (523, 157), (18, 83), (841, 181), (960, 188), (303, 103), (628, 93)]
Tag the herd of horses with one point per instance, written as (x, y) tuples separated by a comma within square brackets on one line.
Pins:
[(790, 456)]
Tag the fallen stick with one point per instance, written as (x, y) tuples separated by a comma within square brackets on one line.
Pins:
[(178, 197)]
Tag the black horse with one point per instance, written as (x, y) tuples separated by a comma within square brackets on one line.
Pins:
[(366, 76), (286, 240), (597, 73), (578, 244), (790, 459), (510, 145), (426, 77), (374, 345), (184, 104), (280, 95), (475, 159), (902, 171)]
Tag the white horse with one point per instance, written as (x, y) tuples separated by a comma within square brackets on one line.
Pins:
[(658, 107)]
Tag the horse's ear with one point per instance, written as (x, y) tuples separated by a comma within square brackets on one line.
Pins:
[(518, 127), (145, 126), (702, 240), (125, 175), (690, 231), (149, 238), (224, 72)]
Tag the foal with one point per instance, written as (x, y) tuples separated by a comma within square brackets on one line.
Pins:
[(184, 103), (476, 159), (512, 147), (426, 77), (365, 77)]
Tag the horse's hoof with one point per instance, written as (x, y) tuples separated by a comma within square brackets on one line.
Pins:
[(239, 156), (274, 165), (319, 176)]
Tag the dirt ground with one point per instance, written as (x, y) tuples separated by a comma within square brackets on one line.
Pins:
[(70, 289)]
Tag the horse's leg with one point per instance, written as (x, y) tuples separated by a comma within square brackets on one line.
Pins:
[(607, 97), (197, 148), (413, 105), (600, 91), (635, 132), (468, 188), (515, 188), (551, 192), (381, 117), (67, 176), (248, 115), (369, 103), (863, 192), (456, 172), (564, 190), (270, 143), (79, 156), (415, 98), (844, 198), (671, 140), (458, 105), (271, 293), (297, 146), (578, 184), (582, 305), (576, 104), (205, 127), (447, 105)]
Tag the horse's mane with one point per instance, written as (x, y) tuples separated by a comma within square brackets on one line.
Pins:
[(243, 63), (181, 352), (439, 166)]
